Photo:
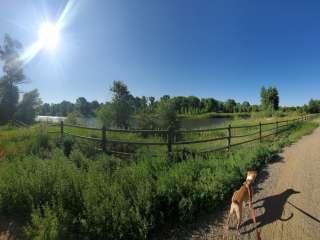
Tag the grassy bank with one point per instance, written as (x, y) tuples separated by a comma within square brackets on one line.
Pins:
[(101, 197), (212, 115)]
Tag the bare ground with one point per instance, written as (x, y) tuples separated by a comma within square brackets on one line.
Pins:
[(287, 200)]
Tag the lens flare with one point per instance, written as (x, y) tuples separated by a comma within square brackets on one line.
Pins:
[(48, 36), (49, 33)]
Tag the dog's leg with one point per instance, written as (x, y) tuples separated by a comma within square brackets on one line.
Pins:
[(229, 216), (238, 211)]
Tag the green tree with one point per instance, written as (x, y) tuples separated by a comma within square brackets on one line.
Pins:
[(245, 107), (9, 96), (313, 106), (119, 112), (28, 106), (230, 106), (269, 98), (274, 98), (83, 106), (12, 67), (168, 115)]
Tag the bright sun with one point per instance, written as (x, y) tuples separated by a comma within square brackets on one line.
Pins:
[(49, 36)]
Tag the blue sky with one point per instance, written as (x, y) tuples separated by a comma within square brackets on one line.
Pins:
[(207, 48)]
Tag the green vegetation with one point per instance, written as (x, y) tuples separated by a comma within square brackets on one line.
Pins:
[(10, 107), (102, 197), (269, 99), (214, 115)]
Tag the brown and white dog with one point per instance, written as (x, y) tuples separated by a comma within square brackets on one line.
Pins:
[(240, 196)]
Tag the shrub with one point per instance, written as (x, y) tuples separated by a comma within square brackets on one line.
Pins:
[(44, 226)]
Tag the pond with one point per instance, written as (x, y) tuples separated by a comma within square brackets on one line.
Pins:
[(50, 119), (185, 123)]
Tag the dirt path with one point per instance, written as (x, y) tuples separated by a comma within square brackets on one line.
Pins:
[(287, 199)]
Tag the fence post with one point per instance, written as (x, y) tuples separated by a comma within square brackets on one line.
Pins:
[(104, 139), (229, 137), (169, 138), (277, 126), (61, 129), (260, 132)]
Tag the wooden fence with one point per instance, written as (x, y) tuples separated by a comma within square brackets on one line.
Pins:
[(170, 135)]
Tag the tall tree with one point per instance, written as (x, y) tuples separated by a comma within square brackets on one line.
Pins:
[(269, 98), (83, 106), (230, 105), (28, 106), (118, 113), (12, 67)]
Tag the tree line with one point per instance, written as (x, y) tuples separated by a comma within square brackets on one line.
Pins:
[(148, 112)]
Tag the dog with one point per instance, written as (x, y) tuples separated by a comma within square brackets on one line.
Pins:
[(240, 196)]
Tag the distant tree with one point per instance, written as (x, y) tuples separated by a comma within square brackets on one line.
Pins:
[(94, 106), (274, 98), (151, 100), (194, 104), (83, 106), (264, 98), (106, 115), (72, 118), (313, 106), (9, 96), (245, 107), (119, 112), (28, 106), (152, 103), (230, 106), (212, 105), (254, 108), (145, 119), (167, 115), (65, 108), (165, 98), (45, 109), (269, 98), (12, 67)]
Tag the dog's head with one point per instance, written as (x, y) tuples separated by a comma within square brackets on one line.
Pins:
[(251, 176)]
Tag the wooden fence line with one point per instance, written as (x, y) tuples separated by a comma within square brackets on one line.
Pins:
[(171, 135)]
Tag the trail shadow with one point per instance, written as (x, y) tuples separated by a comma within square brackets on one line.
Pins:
[(276, 159), (273, 209), (304, 212)]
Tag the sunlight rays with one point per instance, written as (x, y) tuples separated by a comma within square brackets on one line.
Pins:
[(48, 34)]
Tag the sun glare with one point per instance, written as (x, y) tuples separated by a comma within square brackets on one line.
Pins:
[(49, 36)]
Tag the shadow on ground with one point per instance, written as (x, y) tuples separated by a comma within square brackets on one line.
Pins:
[(273, 209)]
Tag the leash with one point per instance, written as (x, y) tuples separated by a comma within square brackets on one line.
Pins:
[(253, 213)]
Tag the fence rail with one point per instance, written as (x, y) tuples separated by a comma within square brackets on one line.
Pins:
[(170, 135)]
